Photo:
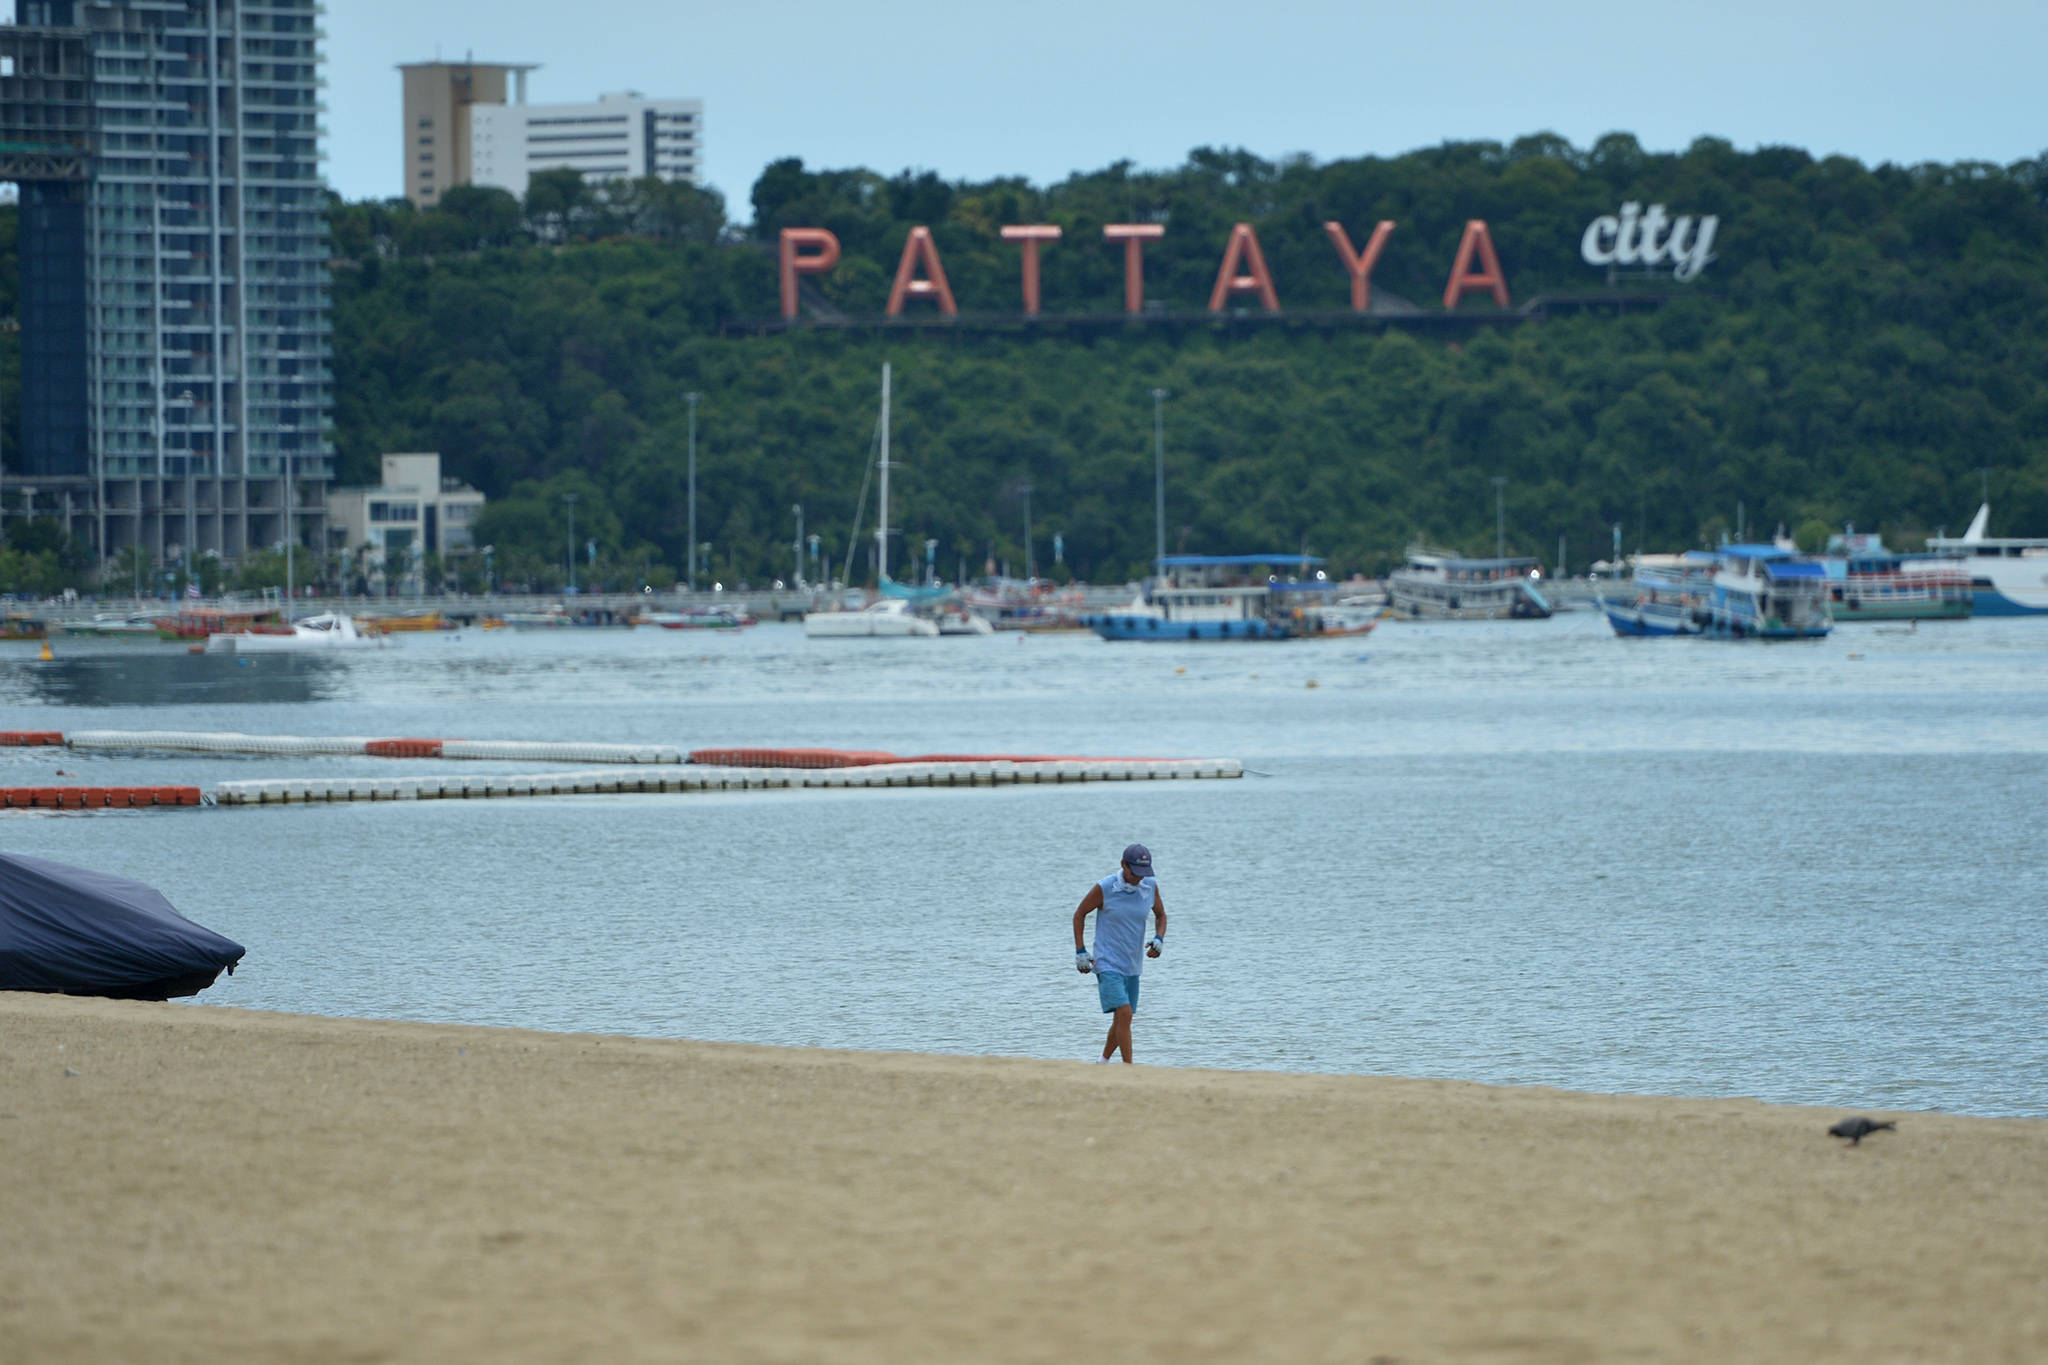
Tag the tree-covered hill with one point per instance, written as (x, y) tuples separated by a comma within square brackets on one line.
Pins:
[(1866, 342)]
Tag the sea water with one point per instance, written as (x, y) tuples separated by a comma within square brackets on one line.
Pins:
[(1519, 852)]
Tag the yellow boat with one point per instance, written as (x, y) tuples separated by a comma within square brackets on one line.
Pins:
[(408, 621)]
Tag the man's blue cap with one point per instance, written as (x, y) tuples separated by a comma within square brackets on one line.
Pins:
[(1139, 859)]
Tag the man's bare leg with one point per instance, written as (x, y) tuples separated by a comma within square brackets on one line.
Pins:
[(1119, 1039)]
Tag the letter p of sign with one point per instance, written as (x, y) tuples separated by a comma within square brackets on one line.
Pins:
[(822, 256)]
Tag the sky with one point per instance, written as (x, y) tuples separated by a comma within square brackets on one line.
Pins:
[(974, 90)]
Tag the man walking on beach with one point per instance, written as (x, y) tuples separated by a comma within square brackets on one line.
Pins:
[(1123, 903)]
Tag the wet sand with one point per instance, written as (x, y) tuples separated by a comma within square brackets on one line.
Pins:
[(218, 1184)]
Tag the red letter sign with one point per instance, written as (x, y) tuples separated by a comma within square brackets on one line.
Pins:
[(1133, 236), (1244, 243), (1463, 277), (1358, 267), (824, 258), (1031, 234), (920, 247)]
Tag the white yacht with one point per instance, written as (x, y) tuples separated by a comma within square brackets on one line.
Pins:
[(2009, 574), (892, 616), (316, 634)]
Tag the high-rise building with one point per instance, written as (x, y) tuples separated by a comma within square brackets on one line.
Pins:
[(439, 100), (177, 371), (460, 128)]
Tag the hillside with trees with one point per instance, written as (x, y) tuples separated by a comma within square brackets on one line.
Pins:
[(1868, 346)]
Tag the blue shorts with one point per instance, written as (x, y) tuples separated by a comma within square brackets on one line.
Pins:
[(1116, 990)]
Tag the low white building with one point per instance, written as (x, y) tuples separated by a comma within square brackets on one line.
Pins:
[(413, 512), (621, 136)]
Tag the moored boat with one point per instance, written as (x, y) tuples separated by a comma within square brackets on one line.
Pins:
[(200, 623), (700, 618), (2008, 574), (1664, 595), (891, 617), (1767, 592), (330, 630), (1442, 585), (1233, 597), (1867, 582)]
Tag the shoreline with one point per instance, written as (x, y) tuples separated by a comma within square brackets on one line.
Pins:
[(216, 1182)]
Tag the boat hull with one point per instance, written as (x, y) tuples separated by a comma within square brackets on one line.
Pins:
[(1649, 620), (1993, 602), (862, 625), (1129, 626), (1867, 609)]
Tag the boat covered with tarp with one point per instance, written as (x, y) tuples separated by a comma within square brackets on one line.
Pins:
[(74, 931)]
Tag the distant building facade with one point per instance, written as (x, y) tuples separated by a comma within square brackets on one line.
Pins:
[(440, 100), (469, 123), (177, 372), (412, 509)]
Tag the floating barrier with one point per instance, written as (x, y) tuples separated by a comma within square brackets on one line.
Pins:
[(229, 742), (96, 798), (861, 758), (701, 777), (28, 738), (190, 741)]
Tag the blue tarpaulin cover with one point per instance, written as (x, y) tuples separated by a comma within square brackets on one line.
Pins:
[(79, 932)]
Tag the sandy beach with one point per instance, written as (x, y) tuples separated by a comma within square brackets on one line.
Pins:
[(204, 1184)]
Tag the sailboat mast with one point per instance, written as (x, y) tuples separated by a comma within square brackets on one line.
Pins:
[(882, 530)]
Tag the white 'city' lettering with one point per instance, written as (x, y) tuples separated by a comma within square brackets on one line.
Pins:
[(1650, 237)]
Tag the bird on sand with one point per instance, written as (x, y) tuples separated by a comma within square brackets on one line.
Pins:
[(1858, 1128)]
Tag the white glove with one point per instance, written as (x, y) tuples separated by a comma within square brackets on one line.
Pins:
[(1084, 961), (1158, 945)]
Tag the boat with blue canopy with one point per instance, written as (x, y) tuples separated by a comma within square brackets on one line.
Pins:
[(1767, 592)]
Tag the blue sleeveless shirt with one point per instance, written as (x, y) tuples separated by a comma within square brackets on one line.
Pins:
[(1121, 923)]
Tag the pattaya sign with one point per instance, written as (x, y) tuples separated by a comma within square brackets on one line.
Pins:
[(1632, 237), (921, 275)]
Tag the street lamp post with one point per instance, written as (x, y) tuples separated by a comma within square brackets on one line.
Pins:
[(1030, 563), (1158, 479), (1499, 518), (570, 500), (691, 578)]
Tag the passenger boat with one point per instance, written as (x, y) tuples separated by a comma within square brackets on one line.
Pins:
[(329, 631), (1665, 595), (1442, 585), (1767, 592), (24, 628), (1233, 597), (2008, 574), (1866, 582)]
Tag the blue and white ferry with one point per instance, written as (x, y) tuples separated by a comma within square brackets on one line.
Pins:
[(1234, 597), (1666, 595), (2008, 574), (1767, 592)]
